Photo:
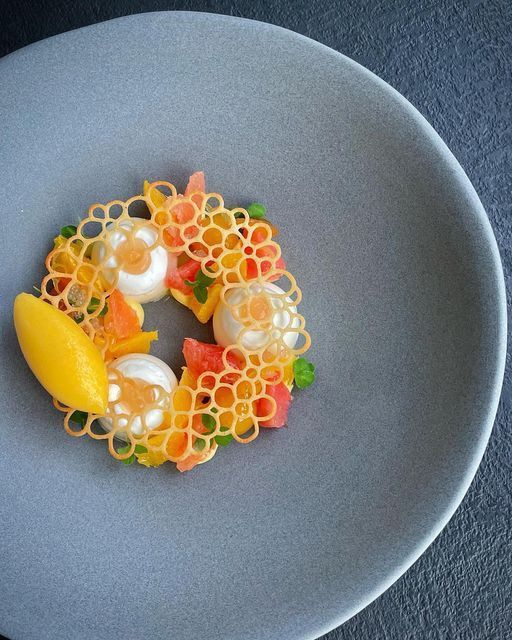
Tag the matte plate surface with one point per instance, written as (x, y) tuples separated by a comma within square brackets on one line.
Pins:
[(403, 294)]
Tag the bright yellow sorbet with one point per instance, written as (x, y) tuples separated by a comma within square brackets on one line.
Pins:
[(62, 357)]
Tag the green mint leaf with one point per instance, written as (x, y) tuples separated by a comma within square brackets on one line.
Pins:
[(256, 210), (124, 449), (301, 364), (223, 440), (130, 459), (305, 379), (140, 449), (201, 293), (80, 417), (94, 303), (304, 373), (208, 422), (68, 231), (203, 279)]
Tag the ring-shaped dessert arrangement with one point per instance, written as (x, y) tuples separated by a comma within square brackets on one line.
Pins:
[(84, 340)]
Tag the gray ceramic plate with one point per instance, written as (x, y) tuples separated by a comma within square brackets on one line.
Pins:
[(403, 292)]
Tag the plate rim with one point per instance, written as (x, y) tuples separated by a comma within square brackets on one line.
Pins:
[(496, 279)]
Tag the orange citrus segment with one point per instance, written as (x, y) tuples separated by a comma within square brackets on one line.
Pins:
[(120, 320), (187, 379), (139, 343)]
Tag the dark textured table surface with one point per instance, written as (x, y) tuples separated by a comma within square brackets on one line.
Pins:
[(453, 61)]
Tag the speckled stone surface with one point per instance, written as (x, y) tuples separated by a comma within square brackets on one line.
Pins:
[(452, 60)]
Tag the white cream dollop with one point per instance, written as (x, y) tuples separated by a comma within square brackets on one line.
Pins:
[(147, 286), (139, 366), (226, 327)]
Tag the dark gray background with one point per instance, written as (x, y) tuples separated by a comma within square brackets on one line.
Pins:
[(453, 61)]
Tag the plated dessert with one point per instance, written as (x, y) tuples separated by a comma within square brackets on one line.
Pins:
[(83, 335)]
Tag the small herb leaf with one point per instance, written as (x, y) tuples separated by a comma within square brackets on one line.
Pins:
[(130, 459), (68, 231), (80, 417), (208, 422), (203, 279), (256, 210), (304, 373), (201, 293), (94, 303), (223, 440), (199, 286), (140, 449)]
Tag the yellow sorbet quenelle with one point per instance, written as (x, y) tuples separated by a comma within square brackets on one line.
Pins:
[(61, 356)]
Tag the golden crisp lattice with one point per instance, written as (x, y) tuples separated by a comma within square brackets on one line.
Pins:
[(241, 255)]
